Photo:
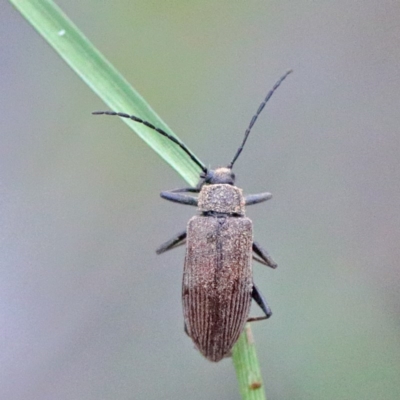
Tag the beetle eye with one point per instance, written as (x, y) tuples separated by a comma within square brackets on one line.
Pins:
[(209, 176)]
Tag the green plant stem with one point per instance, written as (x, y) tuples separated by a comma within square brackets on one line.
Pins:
[(66, 39), (247, 367)]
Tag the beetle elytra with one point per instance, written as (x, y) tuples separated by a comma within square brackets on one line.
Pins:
[(217, 286)]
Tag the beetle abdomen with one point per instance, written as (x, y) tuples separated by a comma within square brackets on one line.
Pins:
[(217, 282)]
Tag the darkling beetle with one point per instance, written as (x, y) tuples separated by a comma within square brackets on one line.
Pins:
[(218, 282)]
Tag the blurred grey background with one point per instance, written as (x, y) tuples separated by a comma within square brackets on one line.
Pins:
[(87, 309)]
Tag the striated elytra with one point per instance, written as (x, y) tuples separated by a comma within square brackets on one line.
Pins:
[(217, 286)]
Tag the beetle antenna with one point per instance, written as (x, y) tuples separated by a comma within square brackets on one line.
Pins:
[(254, 119), (160, 131)]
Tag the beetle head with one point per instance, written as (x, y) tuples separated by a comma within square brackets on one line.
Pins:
[(218, 176)]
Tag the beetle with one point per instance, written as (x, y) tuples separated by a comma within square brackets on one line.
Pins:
[(217, 286)]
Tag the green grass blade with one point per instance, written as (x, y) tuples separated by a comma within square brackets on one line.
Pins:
[(247, 367), (66, 39)]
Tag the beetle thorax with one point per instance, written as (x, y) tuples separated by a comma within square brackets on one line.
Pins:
[(221, 199)]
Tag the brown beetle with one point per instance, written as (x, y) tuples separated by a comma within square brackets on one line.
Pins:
[(217, 278)]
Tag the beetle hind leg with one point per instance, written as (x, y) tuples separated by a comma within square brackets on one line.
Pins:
[(186, 329), (176, 241), (260, 300)]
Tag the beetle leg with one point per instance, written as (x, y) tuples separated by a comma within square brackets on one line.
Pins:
[(263, 254), (177, 240), (260, 300), (185, 329), (185, 190), (259, 260), (179, 198), (257, 198)]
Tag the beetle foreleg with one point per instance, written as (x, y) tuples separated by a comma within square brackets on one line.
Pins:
[(185, 190), (179, 198), (263, 254), (260, 300), (174, 242), (257, 198)]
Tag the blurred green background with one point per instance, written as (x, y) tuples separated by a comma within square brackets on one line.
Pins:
[(87, 309)]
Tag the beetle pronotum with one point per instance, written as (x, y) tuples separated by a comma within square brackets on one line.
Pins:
[(217, 278)]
